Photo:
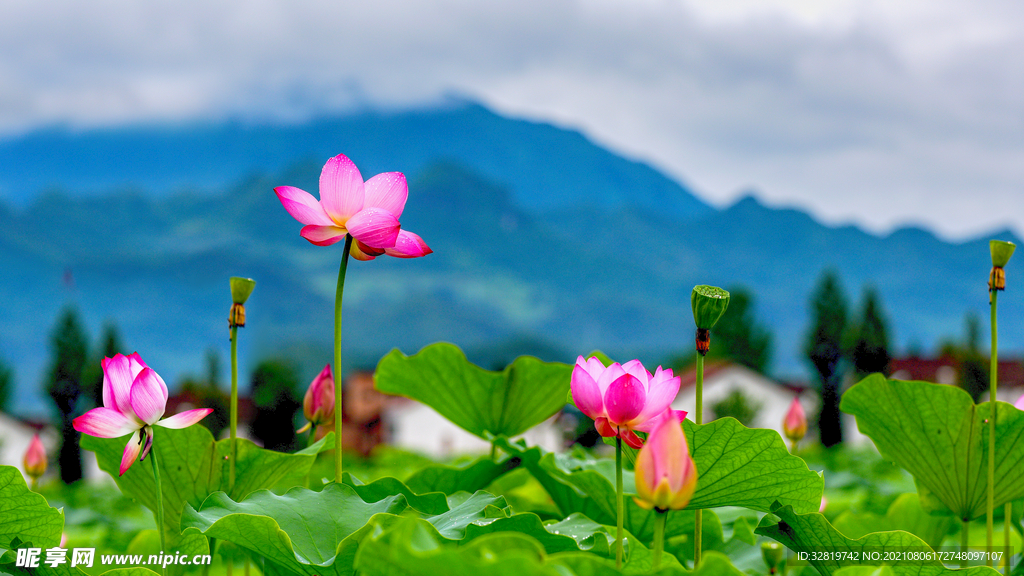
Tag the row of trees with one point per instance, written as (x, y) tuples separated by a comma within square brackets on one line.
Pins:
[(835, 341)]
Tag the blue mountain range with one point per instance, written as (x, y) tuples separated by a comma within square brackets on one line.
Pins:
[(544, 243)]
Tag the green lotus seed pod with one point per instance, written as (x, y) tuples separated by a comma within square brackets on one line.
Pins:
[(1001, 252), (773, 554), (241, 288), (709, 303)]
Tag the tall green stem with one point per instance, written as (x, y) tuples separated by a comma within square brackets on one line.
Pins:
[(159, 501), (618, 502), (337, 359), (234, 407), (964, 541), (1007, 552), (698, 514), (992, 383), (659, 537)]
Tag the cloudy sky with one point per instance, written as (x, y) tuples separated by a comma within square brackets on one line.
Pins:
[(875, 112)]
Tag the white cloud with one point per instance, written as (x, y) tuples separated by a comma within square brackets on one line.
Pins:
[(866, 110)]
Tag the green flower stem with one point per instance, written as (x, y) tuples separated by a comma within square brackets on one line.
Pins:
[(964, 541), (992, 383), (234, 406), (1007, 518), (659, 537), (35, 484), (159, 502), (337, 358), (698, 519), (618, 502)]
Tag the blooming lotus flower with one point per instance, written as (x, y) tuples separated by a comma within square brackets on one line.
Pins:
[(622, 399), (666, 476), (134, 400), (35, 459), (369, 211), (795, 422), (318, 404)]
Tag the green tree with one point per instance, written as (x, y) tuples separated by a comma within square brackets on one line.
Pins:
[(64, 385), (6, 385), (823, 347), (110, 345), (869, 352), (739, 337), (738, 406), (274, 394), (973, 374), (207, 394)]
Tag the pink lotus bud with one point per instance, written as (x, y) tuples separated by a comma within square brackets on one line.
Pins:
[(318, 405), (666, 476), (35, 458), (824, 503), (795, 423), (1020, 403)]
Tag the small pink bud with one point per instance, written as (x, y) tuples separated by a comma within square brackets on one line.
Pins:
[(1020, 403), (824, 503), (795, 423), (665, 474), (318, 404), (35, 458)]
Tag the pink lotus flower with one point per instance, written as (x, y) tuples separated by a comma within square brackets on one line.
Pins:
[(318, 404), (795, 423), (666, 476), (621, 399), (369, 211), (134, 400), (35, 458)]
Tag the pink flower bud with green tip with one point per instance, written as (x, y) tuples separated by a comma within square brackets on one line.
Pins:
[(318, 404), (369, 211), (35, 459), (134, 400), (795, 423), (623, 398), (665, 474)]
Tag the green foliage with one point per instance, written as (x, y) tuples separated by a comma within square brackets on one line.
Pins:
[(274, 392), (92, 375), (196, 466), (736, 405), (905, 514), (824, 348), (939, 435), (206, 393), (287, 529), (736, 466), (6, 385), (812, 532), (482, 402), (64, 385), (870, 350), (24, 514), (739, 337)]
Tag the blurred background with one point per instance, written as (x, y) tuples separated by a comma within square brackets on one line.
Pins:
[(577, 167)]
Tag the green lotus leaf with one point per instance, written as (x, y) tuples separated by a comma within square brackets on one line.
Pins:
[(939, 435), (482, 402), (813, 533)]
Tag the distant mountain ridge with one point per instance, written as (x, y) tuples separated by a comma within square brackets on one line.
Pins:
[(543, 166), (556, 277)]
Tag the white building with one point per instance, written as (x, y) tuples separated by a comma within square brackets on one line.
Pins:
[(770, 399)]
